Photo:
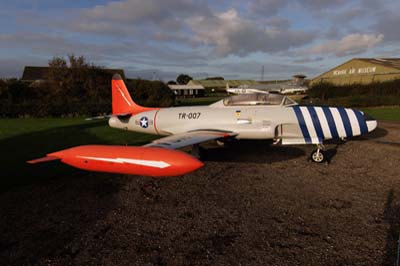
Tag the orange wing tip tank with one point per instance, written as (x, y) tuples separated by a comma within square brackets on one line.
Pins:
[(147, 161)]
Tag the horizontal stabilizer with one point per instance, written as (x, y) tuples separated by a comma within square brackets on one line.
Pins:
[(100, 117), (43, 159)]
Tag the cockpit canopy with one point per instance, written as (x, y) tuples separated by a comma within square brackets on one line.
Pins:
[(258, 99)]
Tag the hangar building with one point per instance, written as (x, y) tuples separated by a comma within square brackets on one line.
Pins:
[(187, 90), (362, 70)]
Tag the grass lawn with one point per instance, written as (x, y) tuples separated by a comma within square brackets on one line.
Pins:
[(25, 139), (384, 113)]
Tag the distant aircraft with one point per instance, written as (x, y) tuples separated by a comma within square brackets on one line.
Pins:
[(296, 86), (247, 116), (269, 88)]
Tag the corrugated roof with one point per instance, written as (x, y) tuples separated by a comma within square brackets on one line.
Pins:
[(32, 73), (387, 62)]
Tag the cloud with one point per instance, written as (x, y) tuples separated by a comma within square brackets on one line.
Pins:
[(165, 14), (13, 67), (346, 16), (278, 23), (175, 36), (304, 60), (231, 34), (267, 7), (388, 24), (322, 4), (351, 44), (272, 70), (56, 44)]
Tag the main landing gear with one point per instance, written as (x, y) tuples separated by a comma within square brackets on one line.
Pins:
[(197, 151), (319, 155)]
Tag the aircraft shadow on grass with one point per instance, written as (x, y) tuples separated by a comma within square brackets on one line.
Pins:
[(16, 150)]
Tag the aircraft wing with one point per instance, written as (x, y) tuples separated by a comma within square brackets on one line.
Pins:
[(189, 138)]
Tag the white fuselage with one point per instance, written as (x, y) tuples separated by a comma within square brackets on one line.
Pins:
[(292, 124), (250, 123)]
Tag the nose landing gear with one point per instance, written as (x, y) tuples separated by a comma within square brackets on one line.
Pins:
[(318, 155)]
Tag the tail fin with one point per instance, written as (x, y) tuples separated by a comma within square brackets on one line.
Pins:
[(122, 103)]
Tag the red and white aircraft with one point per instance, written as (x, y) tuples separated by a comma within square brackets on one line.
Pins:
[(250, 116)]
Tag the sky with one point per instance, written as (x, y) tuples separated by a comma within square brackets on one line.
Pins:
[(159, 39)]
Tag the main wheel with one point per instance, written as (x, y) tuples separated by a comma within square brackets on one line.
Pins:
[(318, 156), (220, 143), (197, 151)]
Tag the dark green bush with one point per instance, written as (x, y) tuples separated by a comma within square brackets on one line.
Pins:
[(150, 93), (74, 89), (373, 94), (326, 90)]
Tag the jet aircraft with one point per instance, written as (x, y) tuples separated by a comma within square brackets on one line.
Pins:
[(247, 116), (283, 88), (295, 86)]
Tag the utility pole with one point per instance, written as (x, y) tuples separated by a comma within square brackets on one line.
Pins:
[(262, 73)]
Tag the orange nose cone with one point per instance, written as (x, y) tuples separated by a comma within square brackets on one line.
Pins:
[(147, 161), (177, 162)]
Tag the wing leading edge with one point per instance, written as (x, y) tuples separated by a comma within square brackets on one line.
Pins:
[(189, 138)]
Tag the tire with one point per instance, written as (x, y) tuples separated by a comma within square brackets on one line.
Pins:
[(318, 157), (197, 152), (220, 143)]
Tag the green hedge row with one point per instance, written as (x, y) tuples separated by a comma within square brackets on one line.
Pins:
[(362, 95), (357, 101), (326, 90)]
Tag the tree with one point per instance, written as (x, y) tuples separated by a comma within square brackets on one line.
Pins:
[(76, 87), (150, 93), (4, 91), (171, 82), (77, 62), (183, 79)]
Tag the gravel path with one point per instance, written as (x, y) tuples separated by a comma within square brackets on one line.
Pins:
[(251, 204)]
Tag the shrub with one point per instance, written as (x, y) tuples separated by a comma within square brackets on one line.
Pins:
[(361, 95)]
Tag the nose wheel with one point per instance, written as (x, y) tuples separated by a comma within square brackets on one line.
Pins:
[(318, 155)]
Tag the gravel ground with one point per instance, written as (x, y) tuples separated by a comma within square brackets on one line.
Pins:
[(251, 204)]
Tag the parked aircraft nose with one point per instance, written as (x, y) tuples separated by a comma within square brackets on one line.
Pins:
[(371, 122)]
